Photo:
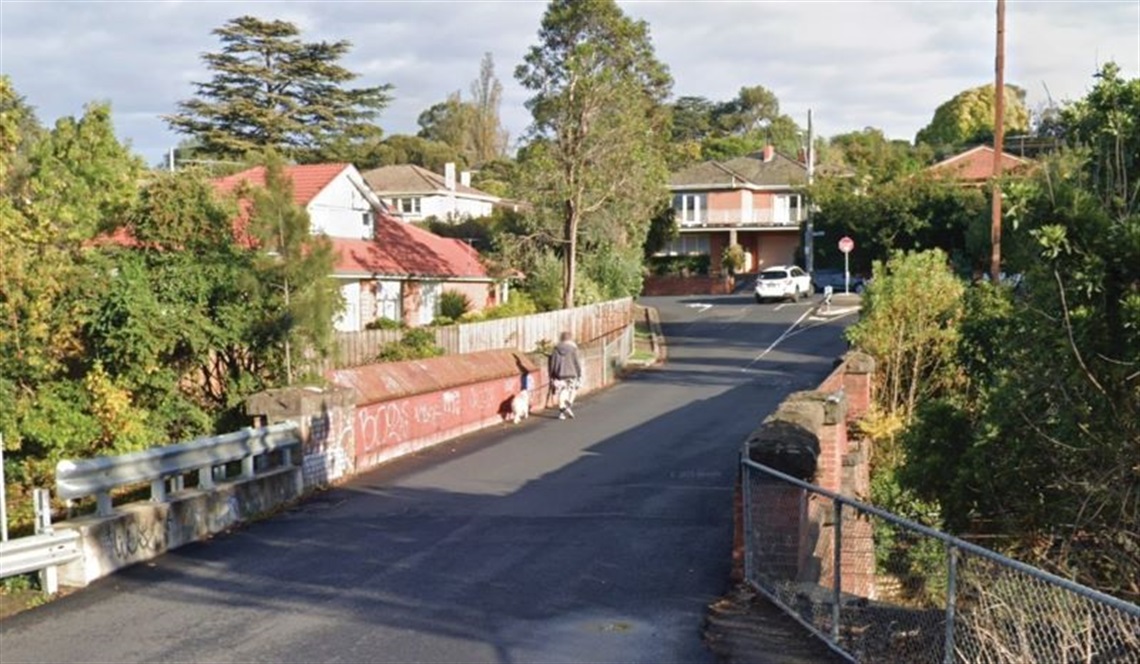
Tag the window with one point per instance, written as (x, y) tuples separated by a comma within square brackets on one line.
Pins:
[(409, 206), (691, 208), (688, 244), (368, 218)]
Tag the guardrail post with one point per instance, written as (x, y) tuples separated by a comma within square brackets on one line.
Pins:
[(951, 600), (247, 467), (49, 576), (158, 490), (103, 506), (206, 477), (838, 572)]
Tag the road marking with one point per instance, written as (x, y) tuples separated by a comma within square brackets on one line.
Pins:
[(699, 305), (780, 338)]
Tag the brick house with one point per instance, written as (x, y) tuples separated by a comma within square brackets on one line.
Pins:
[(975, 166), (754, 201)]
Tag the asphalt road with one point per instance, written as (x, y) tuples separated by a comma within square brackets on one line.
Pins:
[(599, 539)]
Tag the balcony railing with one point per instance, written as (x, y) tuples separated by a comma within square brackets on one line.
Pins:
[(737, 218)]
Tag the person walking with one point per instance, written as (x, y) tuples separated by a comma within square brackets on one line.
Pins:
[(565, 374)]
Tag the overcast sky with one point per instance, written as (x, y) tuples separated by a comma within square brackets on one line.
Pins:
[(856, 64)]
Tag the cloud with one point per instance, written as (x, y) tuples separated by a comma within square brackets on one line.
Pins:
[(856, 64)]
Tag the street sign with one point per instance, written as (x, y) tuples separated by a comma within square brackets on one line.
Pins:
[(846, 244), (818, 233)]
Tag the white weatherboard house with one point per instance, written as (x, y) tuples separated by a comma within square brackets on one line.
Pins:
[(414, 193), (340, 205), (385, 268)]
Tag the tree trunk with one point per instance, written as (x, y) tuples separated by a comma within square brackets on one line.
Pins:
[(570, 254)]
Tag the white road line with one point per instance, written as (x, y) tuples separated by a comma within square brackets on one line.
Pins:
[(822, 321), (780, 338), (699, 305)]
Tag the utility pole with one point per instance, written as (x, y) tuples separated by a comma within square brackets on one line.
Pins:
[(809, 233), (999, 135)]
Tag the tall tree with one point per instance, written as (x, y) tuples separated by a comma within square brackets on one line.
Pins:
[(488, 137), (270, 89), (871, 156), (968, 117), (597, 160), (405, 149), (452, 123)]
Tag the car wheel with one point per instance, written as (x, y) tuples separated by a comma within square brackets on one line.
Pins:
[(759, 300)]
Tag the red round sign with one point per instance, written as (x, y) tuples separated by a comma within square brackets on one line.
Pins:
[(846, 244)]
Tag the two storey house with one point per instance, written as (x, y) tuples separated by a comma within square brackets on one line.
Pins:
[(753, 201)]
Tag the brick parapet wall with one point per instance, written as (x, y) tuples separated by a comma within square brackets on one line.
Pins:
[(380, 412), (807, 437)]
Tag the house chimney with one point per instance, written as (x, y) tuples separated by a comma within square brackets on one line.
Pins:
[(465, 178), (449, 176), (769, 152)]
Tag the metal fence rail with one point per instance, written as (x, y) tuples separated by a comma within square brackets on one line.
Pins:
[(880, 588), (42, 552), (204, 456)]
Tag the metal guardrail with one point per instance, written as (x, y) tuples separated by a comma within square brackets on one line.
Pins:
[(99, 476), (42, 552), (880, 588), (35, 552)]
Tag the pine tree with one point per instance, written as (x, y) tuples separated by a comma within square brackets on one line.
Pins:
[(271, 90)]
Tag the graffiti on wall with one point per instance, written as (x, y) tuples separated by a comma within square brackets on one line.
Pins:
[(390, 423)]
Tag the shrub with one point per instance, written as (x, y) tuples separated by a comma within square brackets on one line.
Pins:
[(733, 258), (453, 304), (679, 265), (384, 324), (417, 344), (911, 315), (519, 304)]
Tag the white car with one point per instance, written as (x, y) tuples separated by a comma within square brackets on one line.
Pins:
[(782, 282)]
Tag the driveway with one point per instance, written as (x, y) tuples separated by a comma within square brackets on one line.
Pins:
[(598, 539)]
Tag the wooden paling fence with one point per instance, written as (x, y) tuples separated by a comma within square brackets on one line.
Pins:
[(523, 332)]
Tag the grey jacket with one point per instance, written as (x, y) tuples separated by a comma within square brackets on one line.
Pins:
[(564, 361)]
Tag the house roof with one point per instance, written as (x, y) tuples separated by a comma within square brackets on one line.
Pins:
[(976, 164), (308, 179), (412, 179), (402, 250), (743, 172)]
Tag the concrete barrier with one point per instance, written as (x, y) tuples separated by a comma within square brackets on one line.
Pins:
[(140, 531)]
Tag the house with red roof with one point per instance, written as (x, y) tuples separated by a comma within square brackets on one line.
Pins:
[(975, 166), (386, 268)]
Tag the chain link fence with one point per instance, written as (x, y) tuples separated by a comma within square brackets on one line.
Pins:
[(880, 588)]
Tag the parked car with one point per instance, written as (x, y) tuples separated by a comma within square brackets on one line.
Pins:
[(835, 278), (782, 282)]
